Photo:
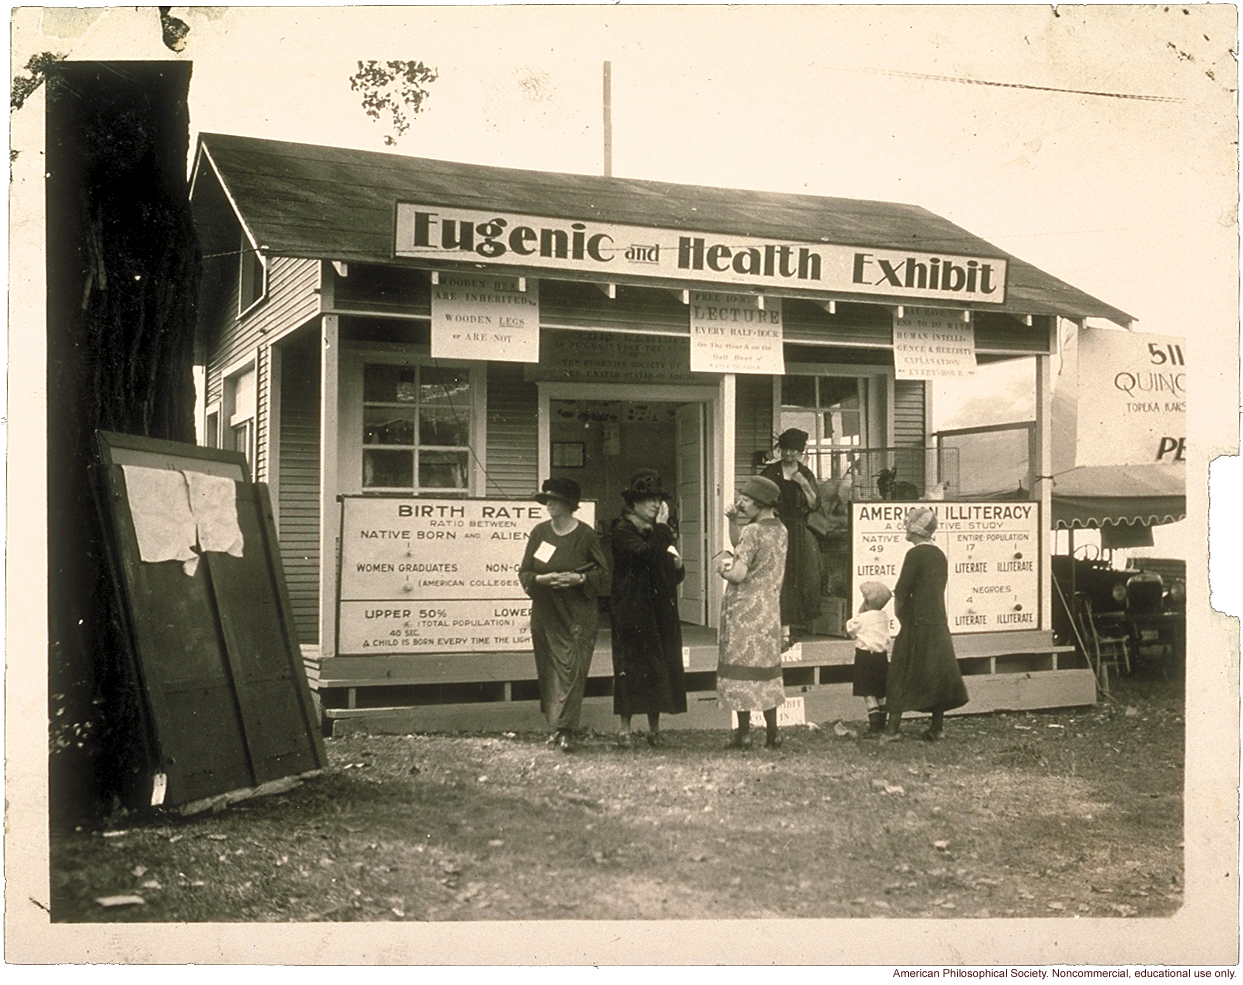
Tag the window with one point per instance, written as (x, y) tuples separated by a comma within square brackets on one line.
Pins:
[(239, 413), (211, 428), (416, 428), (252, 283), (833, 412)]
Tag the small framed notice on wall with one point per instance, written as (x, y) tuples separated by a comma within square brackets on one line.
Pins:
[(567, 454)]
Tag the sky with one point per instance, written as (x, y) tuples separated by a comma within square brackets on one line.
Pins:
[(1097, 142)]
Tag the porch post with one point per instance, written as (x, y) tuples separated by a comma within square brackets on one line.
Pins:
[(724, 492), (329, 509), (1044, 444)]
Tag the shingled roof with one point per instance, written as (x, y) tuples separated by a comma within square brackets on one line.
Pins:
[(305, 200)]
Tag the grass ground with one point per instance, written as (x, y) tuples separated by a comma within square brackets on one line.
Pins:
[(1075, 811)]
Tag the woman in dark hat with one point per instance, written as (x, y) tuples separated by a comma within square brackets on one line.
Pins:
[(923, 671), (643, 608), (748, 673), (564, 570), (800, 592)]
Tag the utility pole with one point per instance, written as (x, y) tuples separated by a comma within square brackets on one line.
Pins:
[(608, 119)]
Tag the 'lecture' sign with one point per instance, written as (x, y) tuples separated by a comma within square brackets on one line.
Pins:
[(993, 550), (735, 333)]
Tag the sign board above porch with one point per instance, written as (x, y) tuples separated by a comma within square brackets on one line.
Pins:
[(587, 245)]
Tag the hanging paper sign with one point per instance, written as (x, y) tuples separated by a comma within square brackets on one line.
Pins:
[(481, 316), (1132, 393), (993, 550), (932, 344), (731, 333)]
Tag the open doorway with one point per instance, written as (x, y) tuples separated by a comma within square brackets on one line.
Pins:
[(601, 439)]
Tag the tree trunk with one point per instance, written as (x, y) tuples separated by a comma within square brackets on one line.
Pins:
[(123, 271)]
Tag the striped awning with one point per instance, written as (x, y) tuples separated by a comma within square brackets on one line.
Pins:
[(1097, 496)]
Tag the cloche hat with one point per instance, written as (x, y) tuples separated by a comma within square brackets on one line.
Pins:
[(566, 490), (921, 521), (794, 438), (763, 491), (645, 484)]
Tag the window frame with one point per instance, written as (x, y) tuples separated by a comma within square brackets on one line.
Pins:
[(227, 416), (876, 412), (248, 253), (351, 425), (211, 424)]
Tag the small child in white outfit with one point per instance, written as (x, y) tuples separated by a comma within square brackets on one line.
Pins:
[(870, 631)]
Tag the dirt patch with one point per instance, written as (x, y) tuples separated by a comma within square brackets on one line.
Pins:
[(1054, 813)]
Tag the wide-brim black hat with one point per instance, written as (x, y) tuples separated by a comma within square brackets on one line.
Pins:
[(645, 484), (566, 490), (792, 438)]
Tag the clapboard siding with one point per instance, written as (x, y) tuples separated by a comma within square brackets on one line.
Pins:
[(513, 433), (299, 481), (753, 424), (263, 427), (908, 414), (292, 299)]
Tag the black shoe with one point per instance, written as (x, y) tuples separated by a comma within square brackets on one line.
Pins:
[(739, 740), (565, 742), (773, 741), (933, 735), (656, 740)]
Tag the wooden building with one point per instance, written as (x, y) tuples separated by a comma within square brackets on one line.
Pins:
[(386, 336)]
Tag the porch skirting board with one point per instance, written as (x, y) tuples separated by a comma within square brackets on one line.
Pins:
[(823, 703)]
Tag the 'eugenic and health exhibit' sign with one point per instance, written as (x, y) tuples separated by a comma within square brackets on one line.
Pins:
[(434, 232)]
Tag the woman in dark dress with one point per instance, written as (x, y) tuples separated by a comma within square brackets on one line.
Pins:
[(800, 591), (923, 671), (564, 571), (643, 608)]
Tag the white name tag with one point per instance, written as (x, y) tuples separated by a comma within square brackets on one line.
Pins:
[(545, 551)]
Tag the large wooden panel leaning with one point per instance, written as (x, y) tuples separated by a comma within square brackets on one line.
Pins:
[(213, 652)]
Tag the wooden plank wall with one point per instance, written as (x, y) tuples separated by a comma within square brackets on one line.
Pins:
[(291, 301), (299, 479), (263, 382), (512, 433), (908, 413), (753, 427)]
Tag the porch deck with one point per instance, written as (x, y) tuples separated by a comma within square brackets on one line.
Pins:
[(497, 691)]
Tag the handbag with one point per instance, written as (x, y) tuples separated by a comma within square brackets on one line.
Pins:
[(818, 524)]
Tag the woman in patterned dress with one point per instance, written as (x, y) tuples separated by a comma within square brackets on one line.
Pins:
[(564, 571), (748, 673)]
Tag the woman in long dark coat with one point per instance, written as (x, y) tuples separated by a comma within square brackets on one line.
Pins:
[(800, 495), (647, 633), (564, 571), (923, 670)]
